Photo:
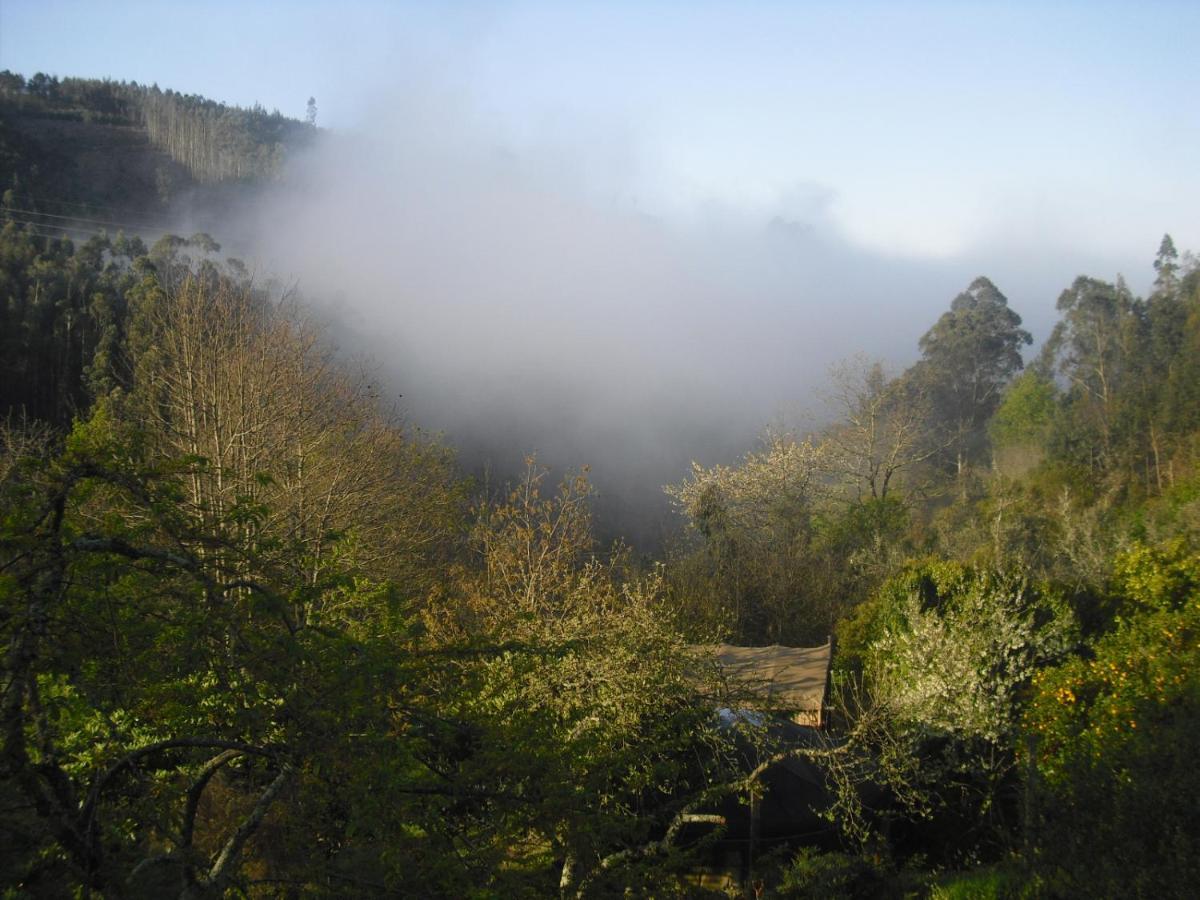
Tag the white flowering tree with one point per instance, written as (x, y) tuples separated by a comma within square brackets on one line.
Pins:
[(948, 653), (754, 522), (959, 648)]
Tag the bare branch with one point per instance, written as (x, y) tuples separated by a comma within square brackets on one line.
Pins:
[(229, 854), (196, 791), (128, 760)]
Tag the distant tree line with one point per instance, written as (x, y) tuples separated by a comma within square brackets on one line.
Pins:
[(63, 312), (214, 141), (1109, 412)]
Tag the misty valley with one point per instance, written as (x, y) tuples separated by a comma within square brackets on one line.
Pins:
[(380, 519)]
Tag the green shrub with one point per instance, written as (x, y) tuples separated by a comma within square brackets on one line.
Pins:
[(1117, 737), (1002, 882), (834, 875)]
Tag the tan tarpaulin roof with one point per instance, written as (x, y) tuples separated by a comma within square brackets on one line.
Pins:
[(785, 677)]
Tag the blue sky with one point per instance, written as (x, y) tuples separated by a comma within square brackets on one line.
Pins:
[(923, 129)]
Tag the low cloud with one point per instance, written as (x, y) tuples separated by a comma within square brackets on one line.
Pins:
[(523, 298)]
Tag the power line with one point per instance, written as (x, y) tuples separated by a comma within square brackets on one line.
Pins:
[(105, 222), (52, 231), (120, 212), (40, 228), (77, 229), (17, 220), (67, 229), (150, 220)]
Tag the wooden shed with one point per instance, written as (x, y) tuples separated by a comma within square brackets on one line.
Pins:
[(789, 680)]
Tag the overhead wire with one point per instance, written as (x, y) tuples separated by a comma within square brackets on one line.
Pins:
[(53, 231), (149, 220), (158, 220), (82, 229), (122, 212), (104, 222), (17, 220)]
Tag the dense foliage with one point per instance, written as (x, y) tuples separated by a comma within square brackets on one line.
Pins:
[(213, 141)]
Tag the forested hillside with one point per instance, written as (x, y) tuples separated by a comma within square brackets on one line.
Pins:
[(262, 637), (214, 142), (79, 156)]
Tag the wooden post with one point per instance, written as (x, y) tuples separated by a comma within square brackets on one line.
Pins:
[(748, 881), (1028, 838)]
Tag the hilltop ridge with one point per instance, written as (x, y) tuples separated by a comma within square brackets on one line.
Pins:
[(81, 154)]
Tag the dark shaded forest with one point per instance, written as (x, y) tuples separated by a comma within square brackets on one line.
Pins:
[(263, 637)]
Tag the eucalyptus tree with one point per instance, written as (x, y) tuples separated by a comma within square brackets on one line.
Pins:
[(1166, 266), (968, 357), (1092, 347)]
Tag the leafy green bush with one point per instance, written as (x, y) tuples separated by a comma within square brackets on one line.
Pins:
[(1001, 882), (816, 874), (946, 655), (1117, 736)]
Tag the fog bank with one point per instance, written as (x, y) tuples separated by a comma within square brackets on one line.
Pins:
[(522, 297)]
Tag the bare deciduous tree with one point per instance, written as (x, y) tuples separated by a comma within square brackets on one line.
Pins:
[(297, 450), (884, 431)]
